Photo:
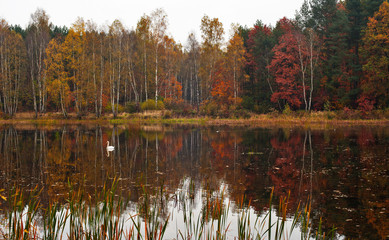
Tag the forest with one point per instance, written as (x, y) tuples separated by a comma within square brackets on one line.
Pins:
[(332, 56)]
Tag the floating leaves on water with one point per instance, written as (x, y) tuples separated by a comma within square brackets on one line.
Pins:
[(252, 153), (1, 196)]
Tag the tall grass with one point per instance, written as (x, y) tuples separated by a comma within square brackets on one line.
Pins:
[(79, 218), (21, 220), (107, 217), (277, 229), (153, 226)]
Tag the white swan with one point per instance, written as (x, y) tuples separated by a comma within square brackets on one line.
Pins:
[(110, 148)]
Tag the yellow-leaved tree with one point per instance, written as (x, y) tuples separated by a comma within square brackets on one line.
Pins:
[(57, 79), (375, 51), (73, 53)]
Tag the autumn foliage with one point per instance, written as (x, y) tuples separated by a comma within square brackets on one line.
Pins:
[(375, 50), (331, 56), (285, 67)]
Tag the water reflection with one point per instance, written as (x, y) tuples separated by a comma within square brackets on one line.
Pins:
[(343, 171)]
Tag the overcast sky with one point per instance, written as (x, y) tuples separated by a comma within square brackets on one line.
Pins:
[(183, 16)]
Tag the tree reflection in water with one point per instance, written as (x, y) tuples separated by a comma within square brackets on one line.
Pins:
[(343, 171)]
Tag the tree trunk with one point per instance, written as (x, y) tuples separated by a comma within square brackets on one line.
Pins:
[(302, 69), (64, 112), (94, 81), (235, 90), (145, 68), (156, 75), (101, 78), (197, 88), (312, 70), (268, 82), (118, 85)]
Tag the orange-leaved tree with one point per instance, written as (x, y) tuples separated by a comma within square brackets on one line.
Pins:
[(169, 60), (222, 87), (235, 63), (174, 95), (212, 34)]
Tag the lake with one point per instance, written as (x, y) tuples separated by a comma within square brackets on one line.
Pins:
[(343, 171)]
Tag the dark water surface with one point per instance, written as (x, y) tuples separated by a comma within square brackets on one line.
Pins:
[(345, 171)]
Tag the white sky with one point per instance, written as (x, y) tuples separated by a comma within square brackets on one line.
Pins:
[(183, 16)]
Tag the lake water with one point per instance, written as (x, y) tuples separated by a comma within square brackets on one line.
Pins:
[(344, 171)]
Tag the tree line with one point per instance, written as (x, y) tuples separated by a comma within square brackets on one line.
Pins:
[(332, 55)]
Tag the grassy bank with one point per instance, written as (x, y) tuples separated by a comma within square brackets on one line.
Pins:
[(313, 120)]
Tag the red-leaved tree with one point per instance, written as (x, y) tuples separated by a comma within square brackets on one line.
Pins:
[(285, 67)]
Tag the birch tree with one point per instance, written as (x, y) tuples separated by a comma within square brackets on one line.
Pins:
[(116, 57), (94, 53), (38, 37), (309, 46), (193, 49), (158, 30), (130, 49), (144, 34), (12, 55)]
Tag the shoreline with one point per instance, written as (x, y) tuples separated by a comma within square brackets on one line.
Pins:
[(262, 120)]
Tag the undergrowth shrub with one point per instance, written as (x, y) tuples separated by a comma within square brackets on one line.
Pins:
[(287, 111), (248, 102), (209, 108), (179, 107), (131, 107), (330, 115), (150, 105), (108, 108), (349, 114), (213, 109), (167, 114), (241, 113)]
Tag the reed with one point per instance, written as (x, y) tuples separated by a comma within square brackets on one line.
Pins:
[(21, 219), (154, 226), (81, 218), (277, 229), (194, 226), (106, 217)]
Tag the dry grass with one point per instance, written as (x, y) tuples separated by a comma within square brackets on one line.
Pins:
[(317, 120)]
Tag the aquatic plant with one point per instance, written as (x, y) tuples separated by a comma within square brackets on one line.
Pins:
[(153, 227), (107, 217), (21, 219)]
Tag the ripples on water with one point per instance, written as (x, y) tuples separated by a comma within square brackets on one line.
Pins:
[(344, 171)]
